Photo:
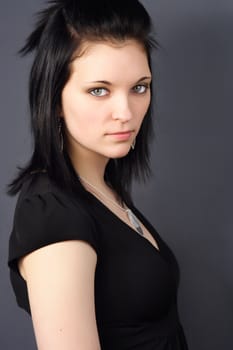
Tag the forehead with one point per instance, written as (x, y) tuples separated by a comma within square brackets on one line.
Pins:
[(107, 57)]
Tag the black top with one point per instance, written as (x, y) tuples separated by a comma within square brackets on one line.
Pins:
[(135, 284)]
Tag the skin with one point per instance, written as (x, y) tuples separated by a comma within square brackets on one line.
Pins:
[(92, 111), (63, 313)]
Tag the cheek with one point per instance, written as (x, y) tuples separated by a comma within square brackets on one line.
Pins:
[(142, 108), (82, 119)]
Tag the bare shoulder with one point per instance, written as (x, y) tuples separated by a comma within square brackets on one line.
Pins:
[(60, 281)]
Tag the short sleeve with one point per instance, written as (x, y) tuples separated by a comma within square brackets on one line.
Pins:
[(48, 218)]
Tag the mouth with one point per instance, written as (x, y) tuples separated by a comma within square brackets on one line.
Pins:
[(121, 132), (121, 135)]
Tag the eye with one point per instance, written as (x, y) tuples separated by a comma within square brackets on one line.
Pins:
[(141, 89), (98, 92)]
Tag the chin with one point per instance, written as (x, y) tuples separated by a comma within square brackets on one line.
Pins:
[(119, 153)]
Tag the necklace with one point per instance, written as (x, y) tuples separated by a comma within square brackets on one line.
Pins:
[(132, 218)]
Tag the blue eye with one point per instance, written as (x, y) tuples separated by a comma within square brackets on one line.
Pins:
[(99, 92), (141, 89)]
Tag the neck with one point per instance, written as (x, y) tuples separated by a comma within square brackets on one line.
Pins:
[(90, 166)]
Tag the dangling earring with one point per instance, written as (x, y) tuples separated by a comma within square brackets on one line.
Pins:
[(133, 144), (61, 141)]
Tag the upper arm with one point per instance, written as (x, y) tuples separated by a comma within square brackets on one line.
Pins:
[(60, 281)]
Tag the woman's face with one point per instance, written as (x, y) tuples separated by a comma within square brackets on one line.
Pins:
[(106, 98)]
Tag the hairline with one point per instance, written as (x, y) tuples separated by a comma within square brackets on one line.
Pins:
[(86, 43)]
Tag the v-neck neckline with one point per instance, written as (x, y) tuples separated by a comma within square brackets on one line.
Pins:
[(155, 236)]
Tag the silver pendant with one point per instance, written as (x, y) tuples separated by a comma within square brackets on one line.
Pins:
[(134, 221)]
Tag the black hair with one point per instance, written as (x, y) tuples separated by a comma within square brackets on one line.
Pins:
[(60, 30)]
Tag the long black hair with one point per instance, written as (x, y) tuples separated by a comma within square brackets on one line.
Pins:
[(60, 30)]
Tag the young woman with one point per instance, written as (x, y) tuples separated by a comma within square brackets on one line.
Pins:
[(85, 263)]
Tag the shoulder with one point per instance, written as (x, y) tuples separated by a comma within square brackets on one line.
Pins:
[(46, 214)]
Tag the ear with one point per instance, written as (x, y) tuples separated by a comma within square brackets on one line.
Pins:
[(60, 113)]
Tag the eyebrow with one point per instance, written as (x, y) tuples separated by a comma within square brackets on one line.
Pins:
[(108, 82)]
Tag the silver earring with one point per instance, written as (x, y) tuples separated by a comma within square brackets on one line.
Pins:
[(133, 144), (61, 141)]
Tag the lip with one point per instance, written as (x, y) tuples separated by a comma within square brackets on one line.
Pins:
[(121, 135)]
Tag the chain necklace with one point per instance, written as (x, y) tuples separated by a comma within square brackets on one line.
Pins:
[(132, 218)]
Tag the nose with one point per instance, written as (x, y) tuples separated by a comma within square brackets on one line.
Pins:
[(121, 109)]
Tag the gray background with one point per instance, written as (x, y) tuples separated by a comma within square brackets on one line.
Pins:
[(189, 199)]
